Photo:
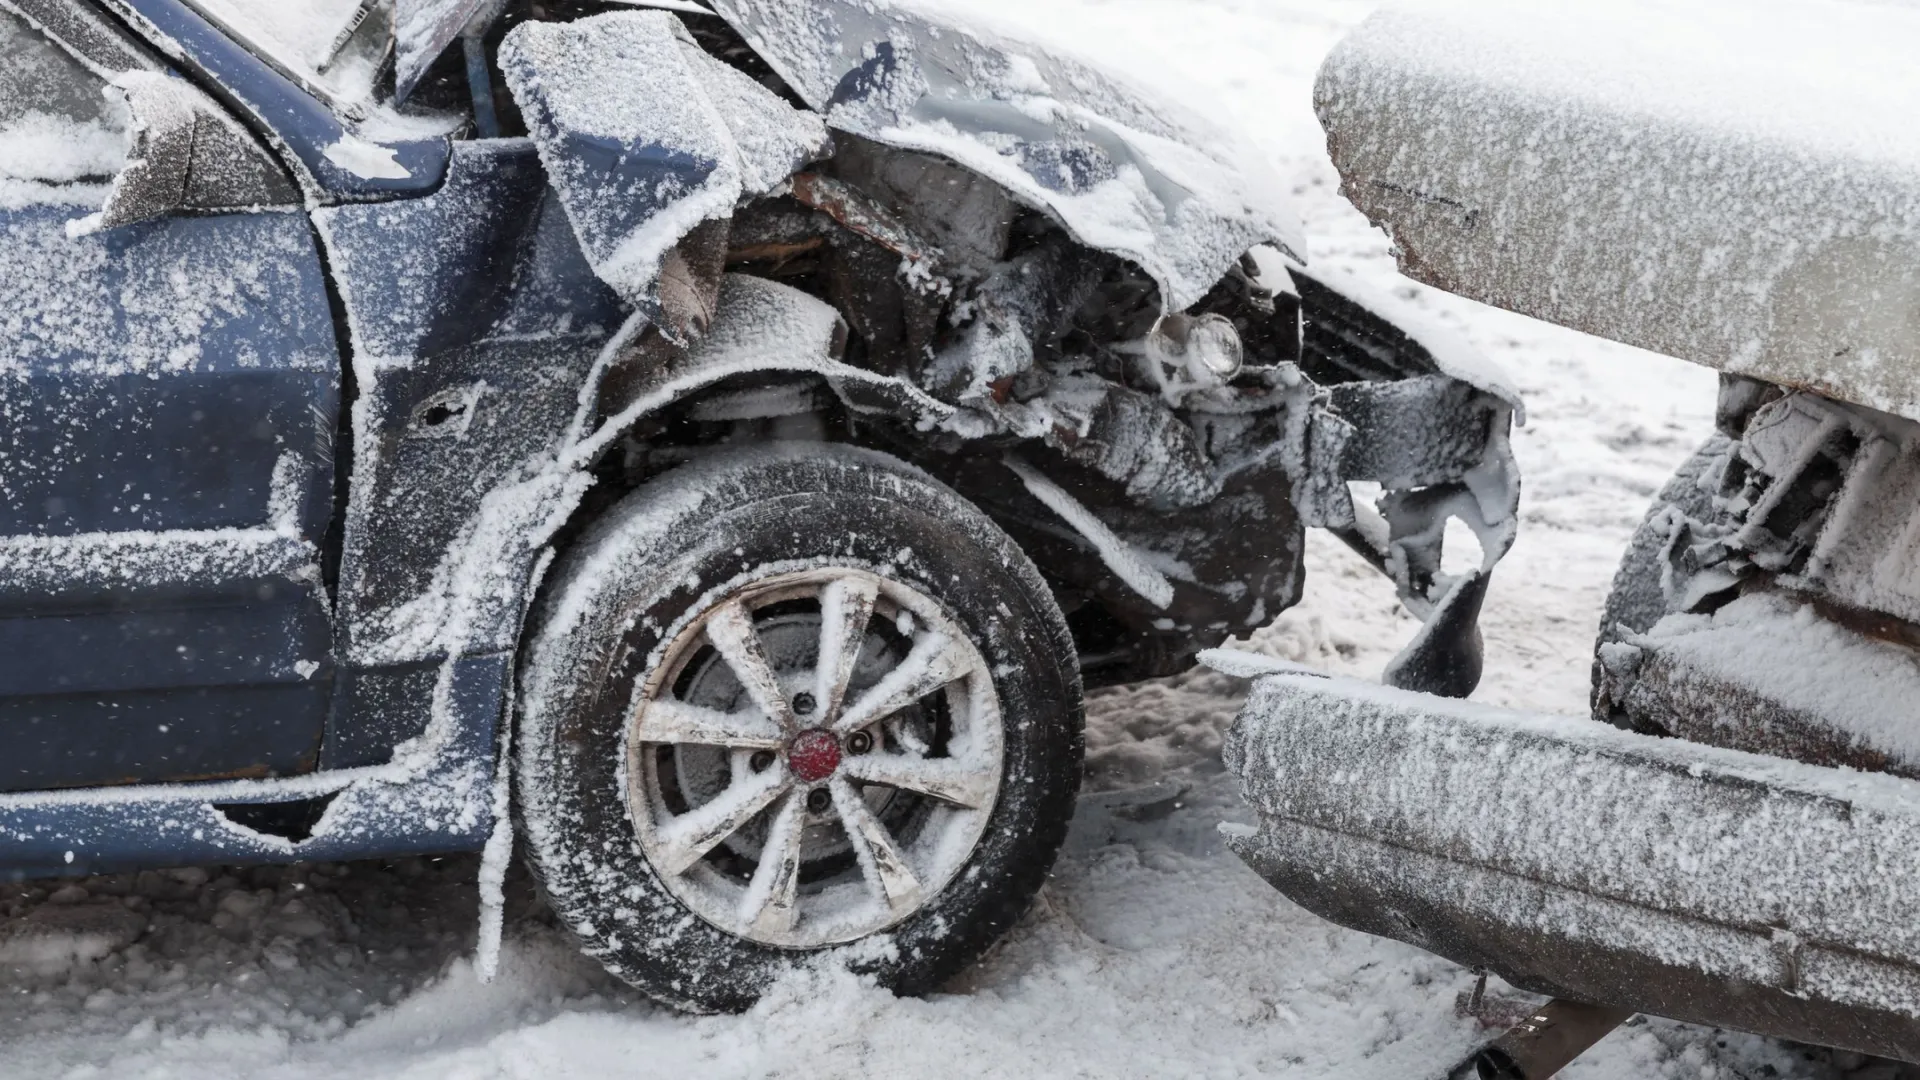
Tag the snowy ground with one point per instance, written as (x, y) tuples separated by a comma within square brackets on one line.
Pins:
[(1153, 952)]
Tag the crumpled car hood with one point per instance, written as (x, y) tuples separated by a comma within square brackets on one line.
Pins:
[(1142, 180)]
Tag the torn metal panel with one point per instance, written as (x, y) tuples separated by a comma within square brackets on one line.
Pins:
[(762, 328), (1413, 433), (1578, 860), (1424, 415), (1142, 180), (1132, 439), (646, 137), (1211, 485)]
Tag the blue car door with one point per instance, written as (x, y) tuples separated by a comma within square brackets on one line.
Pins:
[(169, 397)]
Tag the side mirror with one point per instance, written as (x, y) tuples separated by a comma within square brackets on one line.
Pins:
[(187, 155)]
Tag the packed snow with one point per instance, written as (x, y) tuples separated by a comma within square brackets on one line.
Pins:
[(1152, 952)]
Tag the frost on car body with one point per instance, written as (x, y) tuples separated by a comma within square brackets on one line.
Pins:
[(1724, 189), (1048, 349)]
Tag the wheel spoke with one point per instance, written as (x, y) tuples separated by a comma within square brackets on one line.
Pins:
[(670, 721), (947, 779), (934, 661), (687, 838), (730, 628), (846, 605), (888, 875), (773, 896)]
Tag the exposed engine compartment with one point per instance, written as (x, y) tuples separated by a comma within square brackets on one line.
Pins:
[(1160, 465)]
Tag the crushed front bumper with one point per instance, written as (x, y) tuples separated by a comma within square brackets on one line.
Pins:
[(1581, 861)]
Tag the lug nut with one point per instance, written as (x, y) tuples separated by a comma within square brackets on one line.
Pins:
[(804, 704), (761, 761), (859, 742), (818, 800)]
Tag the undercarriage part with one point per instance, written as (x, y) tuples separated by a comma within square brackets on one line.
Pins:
[(1544, 1043), (1135, 441), (1116, 553), (1230, 563), (1577, 860)]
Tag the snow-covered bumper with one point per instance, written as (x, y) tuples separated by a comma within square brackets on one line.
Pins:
[(1582, 861)]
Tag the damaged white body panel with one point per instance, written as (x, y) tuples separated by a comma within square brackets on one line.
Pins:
[(1735, 188), (1582, 861)]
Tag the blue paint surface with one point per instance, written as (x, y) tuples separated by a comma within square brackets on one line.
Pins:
[(303, 124), (166, 385), (445, 808), (198, 397), (172, 365)]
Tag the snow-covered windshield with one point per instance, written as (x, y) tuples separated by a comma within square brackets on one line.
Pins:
[(56, 125), (332, 46)]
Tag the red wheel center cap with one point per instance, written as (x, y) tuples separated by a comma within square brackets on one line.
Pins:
[(813, 755)]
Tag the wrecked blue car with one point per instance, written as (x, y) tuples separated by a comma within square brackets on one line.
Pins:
[(706, 452)]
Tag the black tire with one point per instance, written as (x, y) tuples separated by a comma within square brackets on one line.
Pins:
[(1636, 601), (657, 556)]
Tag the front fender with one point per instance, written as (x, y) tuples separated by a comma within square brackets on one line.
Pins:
[(1139, 179)]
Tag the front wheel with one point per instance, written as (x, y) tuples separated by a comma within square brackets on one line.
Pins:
[(787, 700)]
